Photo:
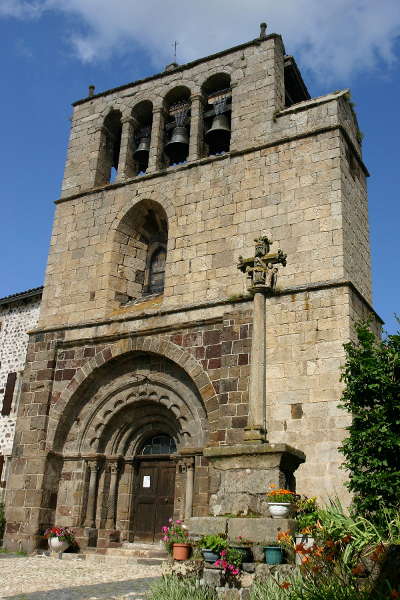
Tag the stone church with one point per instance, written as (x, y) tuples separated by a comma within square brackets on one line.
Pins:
[(209, 258)]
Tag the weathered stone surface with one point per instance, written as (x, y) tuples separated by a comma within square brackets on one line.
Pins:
[(213, 577), (261, 529), (205, 525)]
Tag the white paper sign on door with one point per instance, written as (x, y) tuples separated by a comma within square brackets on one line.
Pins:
[(146, 481)]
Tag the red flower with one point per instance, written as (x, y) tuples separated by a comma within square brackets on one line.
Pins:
[(284, 585)]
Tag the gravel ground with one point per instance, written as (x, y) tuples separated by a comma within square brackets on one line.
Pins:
[(49, 578)]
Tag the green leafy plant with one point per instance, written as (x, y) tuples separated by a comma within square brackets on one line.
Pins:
[(173, 587), (372, 396), (214, 542), (306, 515), (174, 533)]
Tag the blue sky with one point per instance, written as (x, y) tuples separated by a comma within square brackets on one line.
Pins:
[(51, 50)]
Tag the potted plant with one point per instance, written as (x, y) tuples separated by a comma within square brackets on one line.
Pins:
[(212, 545), (243, 547), (59, 538), (273, 553), (176, 539), (280, 502)]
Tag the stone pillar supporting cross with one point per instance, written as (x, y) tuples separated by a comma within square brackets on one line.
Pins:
[(93, 467), (261, 271)]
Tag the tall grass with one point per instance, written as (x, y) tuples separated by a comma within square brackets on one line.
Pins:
[(171, 587)]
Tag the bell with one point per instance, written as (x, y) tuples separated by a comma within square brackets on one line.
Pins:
[(219, 134), (141, 153), (177, 147)]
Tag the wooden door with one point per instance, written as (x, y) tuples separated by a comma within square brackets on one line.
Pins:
[(154, 498)]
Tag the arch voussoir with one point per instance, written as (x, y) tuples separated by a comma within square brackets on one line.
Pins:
[(155, 345)]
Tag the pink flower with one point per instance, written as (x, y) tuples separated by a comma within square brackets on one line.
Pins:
[(170, 520), (223, 553), (178, 522), (165, 538), (164, 529)]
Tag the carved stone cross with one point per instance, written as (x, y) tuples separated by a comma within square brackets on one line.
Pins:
[(262, 272), (261, 269)]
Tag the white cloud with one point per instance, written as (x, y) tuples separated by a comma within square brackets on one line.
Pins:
[(333, 39), (20, 8)]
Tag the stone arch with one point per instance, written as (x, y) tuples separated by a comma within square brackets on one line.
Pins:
[(85, 375), (109, 149), (132, 239)]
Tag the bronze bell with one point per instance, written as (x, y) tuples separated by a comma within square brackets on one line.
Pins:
[(219, 134), (141, 153), (177, 147)]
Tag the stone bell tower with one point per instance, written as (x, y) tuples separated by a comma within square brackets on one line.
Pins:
[(209, 257)]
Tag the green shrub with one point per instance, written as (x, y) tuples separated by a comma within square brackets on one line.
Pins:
[(372, 396), (172, 587), (214, 542)]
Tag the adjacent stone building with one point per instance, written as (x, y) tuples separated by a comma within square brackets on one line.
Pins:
[(161, 378), (19, 314)]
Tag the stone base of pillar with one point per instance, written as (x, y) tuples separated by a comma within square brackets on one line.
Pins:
[(241, 475), (255, 435), (109, 538)]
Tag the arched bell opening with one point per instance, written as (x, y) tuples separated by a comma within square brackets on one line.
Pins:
[(142, 115), (107, 166), (217, 114), (177, 126)]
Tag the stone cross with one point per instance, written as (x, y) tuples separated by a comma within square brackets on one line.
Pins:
[(262, 272)]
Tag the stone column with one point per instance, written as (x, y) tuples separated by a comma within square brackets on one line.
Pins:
[(112, 496), (156, 141), (126, 163), (255, 432), (196, 128), (92, 496), (189, 464)]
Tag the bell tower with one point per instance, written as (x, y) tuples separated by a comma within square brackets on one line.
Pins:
[(208, 260)]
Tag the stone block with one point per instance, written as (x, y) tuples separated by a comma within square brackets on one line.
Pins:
[(213, 577), (259, 529), (199, 526)]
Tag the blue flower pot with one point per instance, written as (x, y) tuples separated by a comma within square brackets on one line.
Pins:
[(273, 555), (209, 555)]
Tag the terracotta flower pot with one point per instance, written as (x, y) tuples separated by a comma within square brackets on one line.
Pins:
[(181, 551), (56, 545)]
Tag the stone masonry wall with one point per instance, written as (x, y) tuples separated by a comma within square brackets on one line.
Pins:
[(291, 192), (16, 318)]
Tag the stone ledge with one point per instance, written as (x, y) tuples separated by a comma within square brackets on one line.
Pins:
[(252, 449), (257, 529)]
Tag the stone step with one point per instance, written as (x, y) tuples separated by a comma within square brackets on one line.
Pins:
[(123, 558)]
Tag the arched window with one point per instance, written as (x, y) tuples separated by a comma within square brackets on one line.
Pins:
[(156, 271), (141, 247), (217, 114), (107, 165), (159, 444)]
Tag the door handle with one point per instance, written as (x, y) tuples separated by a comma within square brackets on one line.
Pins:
[(166, 500)]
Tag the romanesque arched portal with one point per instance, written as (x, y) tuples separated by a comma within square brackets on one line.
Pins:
[(123, 443)]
